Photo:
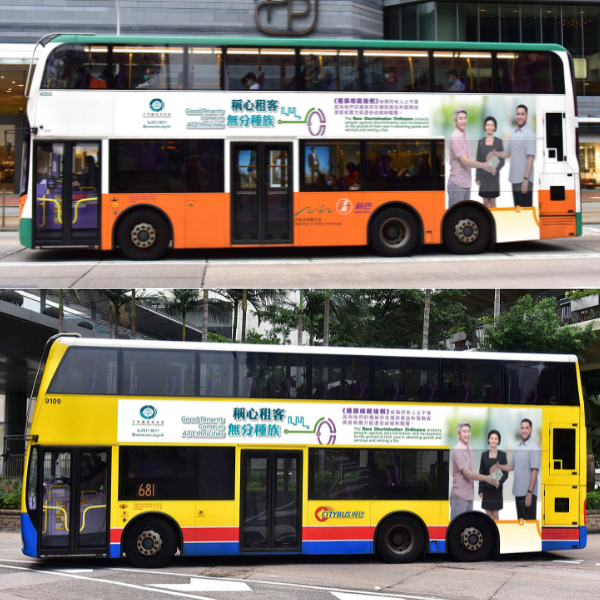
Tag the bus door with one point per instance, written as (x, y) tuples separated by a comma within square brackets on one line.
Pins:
[(561, 489), (67, 188), (261, 193), (557, 179), (271, 506), (73, 513)]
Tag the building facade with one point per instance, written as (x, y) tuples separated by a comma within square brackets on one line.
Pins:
[(575, 25)]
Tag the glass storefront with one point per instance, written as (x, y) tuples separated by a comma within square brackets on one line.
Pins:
[(574, 26), (589, 159)]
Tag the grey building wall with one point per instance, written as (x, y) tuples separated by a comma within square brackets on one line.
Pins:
[(28, 20)]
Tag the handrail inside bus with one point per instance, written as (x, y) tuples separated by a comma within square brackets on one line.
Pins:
[(43, 41)]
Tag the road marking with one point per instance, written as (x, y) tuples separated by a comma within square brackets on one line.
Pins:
[(353, 593), (73, 570), (119, 583), (355, 596), (205, 585), (574, 561)]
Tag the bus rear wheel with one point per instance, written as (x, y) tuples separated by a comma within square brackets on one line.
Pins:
[(400, 539), (394, 232), (466, 231), (143, 235), (150, 543), (471, 539)]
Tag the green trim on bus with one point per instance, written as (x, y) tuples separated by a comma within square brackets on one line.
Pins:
[(302, 43), (579, 223), (25, 234)]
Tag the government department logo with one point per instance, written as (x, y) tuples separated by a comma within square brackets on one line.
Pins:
[(148, 412), (157, 105)]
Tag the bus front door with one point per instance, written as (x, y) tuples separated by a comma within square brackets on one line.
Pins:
[(261, 193), (271, 507), (73, 515), (67, 194)]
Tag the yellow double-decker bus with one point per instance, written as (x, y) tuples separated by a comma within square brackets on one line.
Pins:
[(149, 448)]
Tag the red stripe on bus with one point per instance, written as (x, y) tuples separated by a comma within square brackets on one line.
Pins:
[(560, 533), (324, 533), (115, 535), (437, 532)]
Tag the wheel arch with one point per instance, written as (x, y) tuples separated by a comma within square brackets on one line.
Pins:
[(397, 204), (476, 515), (134, 208), (163, 517), (402, 513), (484, 210)]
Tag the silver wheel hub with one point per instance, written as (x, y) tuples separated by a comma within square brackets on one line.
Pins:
[(471, 539), (143, 235), (466, 231), (395, 233), (400, 539), (149, 543)]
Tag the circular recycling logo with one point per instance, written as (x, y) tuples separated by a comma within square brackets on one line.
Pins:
[(157, 104)]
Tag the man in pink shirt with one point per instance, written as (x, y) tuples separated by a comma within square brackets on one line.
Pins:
[(463, 475), (461, 163)]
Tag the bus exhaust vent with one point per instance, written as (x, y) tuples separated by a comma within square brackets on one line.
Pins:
[(566, 221)]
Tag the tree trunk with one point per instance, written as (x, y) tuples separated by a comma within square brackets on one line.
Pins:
[(235, 317), (61, 312), (111, 319), (326, 320), (496, 305), (183, 323), (133, 316), (117, 319), (300, 316), (426, 319), (244, 311), (205, 316)]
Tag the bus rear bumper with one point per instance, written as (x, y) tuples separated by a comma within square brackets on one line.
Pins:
[(572, 538), (28, 536)]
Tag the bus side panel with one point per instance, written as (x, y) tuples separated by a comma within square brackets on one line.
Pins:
[(207, 221), (25, 221), (28, 536), (216, 533)]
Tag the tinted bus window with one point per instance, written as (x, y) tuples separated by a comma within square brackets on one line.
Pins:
[(138, 67), (330, 166), (261, 69), (86, 371), (406, 379), (530, 73), (158, 372), (75, 66), (329, 70), (205, 69), (458, 72), (472, 381), (338, 474), (340, 377), (204, 166), (216, 469), (409, 474), (532, 382), (570, 390), (156, 473), (267, 375), (396, 71), (216, 375), (392, 166)]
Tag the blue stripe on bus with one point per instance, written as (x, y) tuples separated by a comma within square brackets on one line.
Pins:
[(437, 546), (28, 535), (211, 548), (560, 544), (340, 547), (582, 537), (115, 550)]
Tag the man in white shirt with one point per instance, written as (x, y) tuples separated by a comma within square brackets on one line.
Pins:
[(456, 85), (250, 81)]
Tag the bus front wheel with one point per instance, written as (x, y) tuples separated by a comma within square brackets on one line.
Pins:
[(150, 543), (466, 231), (143, 235), (400, 539), (471, 539), (394, 232)]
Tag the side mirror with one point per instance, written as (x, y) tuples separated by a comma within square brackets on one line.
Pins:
[(8, 147)]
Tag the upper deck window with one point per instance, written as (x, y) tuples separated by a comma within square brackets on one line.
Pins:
[(205, 69), (396, 71), (137, 67), (458, 72), (76, 66), (261, 68), (530, 73), (329, 70)]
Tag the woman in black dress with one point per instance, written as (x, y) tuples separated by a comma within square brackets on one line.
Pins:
[(489, 185), (492, 497)]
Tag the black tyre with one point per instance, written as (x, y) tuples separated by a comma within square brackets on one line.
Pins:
[(471, 539), (150, 543), (466, 231), (143, 235), (400, 539), (394, 232)]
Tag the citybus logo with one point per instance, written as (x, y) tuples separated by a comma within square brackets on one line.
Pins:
[(148, 412), (323, 513), (157, 105)]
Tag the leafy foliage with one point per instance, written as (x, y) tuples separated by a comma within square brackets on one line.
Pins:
[(593, 500), (253, 337), (10, 494)]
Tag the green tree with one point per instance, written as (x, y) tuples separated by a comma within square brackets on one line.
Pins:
[(117, 299), (181, 302)]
